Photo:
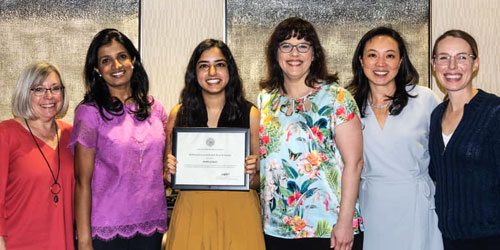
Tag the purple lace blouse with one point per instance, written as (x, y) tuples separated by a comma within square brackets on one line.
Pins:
[(128, 196)]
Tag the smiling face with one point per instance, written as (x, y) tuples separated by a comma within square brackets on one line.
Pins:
[(455, 76), (47, 106), (295, 65), (212, 72), (115, 65), (381, 60)]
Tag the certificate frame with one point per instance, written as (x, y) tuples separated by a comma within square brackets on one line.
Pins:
[(201, 133)]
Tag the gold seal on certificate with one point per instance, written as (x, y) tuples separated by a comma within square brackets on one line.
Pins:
[(211, 158)]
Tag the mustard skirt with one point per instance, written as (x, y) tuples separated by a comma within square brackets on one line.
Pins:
[(216, 220)]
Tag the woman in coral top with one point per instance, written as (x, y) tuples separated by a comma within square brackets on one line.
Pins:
[(36, 167)]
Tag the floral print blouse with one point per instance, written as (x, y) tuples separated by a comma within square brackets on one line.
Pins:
[(301, 168)]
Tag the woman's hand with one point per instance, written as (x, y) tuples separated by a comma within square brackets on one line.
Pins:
[(170, 168), (342, 236), (251, 166), (2, 244)]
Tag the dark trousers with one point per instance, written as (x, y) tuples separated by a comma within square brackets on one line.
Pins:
[(138, 242), (274, 243), (486, 243)]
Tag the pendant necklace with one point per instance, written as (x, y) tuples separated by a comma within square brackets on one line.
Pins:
[(55, 188), (142, 146)]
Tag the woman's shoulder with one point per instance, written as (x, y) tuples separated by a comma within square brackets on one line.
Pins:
[(331, 87), (8, 125), (264, 97), (336, 92), (87, 107), (175, 109), (263, 94), (154, 101), (64, 125), (156, 104), (424, 94), (248, 105), (87, 112), (10, 133), (420, 90), (491, 103), (437, 113), (492, 98)]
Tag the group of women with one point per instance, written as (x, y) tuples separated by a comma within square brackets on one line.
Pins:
[(427, 174)]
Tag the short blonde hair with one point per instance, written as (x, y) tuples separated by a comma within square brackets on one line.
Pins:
[(33, 75)]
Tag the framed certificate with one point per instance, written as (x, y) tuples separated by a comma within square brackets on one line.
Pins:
[(211, 158)]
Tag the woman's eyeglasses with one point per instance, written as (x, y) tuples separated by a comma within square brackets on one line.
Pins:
[(445, 59), (301, 47), (41, 91)]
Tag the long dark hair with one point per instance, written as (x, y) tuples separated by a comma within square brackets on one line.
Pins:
[(97, 92), (191, 100), (407, 74), (298, 28)]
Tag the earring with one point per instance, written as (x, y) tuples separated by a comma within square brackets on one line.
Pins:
[(132, 66), (100, 75)]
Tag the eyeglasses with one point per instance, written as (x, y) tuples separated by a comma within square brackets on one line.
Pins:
[(301, 47), (40, 91), (445, 59)]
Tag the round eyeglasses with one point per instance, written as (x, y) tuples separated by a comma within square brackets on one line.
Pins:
[(41, 91), (301, 47)]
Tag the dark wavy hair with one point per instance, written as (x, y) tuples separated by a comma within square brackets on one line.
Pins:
[(407, 74), (298, 28), (191, 99), (457, 34), (97, 92)]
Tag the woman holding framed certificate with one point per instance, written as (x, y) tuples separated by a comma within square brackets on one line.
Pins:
[(213, 97), (310, 146)]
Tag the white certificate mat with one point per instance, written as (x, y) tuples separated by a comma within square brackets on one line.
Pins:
[(211, 158)]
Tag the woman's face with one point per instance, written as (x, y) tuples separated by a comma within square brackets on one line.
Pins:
[(212, 72), (294, 64), (381, 60), (115, 65), (49, 103), (453, 65)]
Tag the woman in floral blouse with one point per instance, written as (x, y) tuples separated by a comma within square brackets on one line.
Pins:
[(310, 147)]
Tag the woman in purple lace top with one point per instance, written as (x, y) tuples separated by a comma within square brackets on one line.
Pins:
[(118, 140)]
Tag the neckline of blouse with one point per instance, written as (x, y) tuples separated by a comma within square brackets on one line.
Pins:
[(294, 105), (313, 90)]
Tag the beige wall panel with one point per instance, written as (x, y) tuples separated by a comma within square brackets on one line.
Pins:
[(480, 18), (171, 29)]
